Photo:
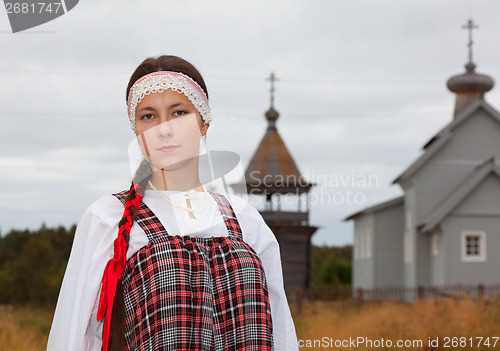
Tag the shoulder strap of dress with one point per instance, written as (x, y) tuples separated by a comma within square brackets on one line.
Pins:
[(227, 212), (145, 218), (121, 196)]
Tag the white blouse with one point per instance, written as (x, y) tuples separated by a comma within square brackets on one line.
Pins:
[(75, 326)]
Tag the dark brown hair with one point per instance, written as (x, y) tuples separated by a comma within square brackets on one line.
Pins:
[(166, 63), (142, 177)]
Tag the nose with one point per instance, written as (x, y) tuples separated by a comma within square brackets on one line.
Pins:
[(164, 129)]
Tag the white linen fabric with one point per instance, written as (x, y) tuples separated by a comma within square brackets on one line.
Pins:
[(75, 326)]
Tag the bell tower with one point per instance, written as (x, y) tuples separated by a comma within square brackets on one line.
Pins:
[(280, 193)]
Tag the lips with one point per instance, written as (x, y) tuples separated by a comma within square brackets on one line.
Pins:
[(168, 148)]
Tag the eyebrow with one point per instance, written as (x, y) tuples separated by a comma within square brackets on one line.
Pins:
[(178, 104), (146, 108), (149, 108)]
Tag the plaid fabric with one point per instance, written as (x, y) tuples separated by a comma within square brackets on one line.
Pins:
[(190, 293)]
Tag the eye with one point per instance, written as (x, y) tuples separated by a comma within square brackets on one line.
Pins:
[(180, 113), (147, 117)]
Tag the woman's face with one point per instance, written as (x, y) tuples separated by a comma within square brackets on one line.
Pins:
[(168, 128)]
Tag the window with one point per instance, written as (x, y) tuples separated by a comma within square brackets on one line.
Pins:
[(362, 244), (473, 246)]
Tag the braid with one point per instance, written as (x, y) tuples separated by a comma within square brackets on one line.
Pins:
[(132, 205), (139, 183)]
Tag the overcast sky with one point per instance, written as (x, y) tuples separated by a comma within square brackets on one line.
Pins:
[(362, 87)]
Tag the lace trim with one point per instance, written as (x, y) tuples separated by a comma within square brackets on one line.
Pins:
[(158, 82)]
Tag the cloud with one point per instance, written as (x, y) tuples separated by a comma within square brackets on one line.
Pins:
[(361, 88)]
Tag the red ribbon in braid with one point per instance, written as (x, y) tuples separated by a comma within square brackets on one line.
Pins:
[(114, 268)]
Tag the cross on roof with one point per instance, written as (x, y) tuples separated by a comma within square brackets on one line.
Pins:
[(272, 78), (470, 26)]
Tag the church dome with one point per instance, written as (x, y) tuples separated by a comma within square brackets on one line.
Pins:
[(470, 81), (272, 114)]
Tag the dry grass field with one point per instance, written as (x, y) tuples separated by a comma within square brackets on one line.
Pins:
[(26, 329), (456, 324)]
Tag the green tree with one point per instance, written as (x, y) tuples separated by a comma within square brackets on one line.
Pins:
[(32, 264), (331, 266)]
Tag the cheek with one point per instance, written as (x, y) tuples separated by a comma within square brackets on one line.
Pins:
[(193, 138), (188, 127)]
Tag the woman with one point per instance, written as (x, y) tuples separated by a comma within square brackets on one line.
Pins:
[(181, 270)]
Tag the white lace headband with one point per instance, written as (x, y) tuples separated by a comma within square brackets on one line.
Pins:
[(157, 82)]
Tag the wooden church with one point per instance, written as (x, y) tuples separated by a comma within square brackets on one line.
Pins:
[(445, 228), (273, 180)]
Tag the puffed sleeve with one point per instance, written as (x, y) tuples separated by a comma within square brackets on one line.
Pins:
[(75, 326), (260, 237)]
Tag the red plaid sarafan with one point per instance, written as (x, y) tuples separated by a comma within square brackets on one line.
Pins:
[(192, 293)]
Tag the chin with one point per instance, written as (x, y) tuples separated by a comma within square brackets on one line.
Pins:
[(170, 165)]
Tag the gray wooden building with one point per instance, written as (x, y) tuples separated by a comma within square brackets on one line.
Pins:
[(445, 228)]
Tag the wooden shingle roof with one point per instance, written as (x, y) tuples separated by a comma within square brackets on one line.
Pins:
[(272, 167)]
